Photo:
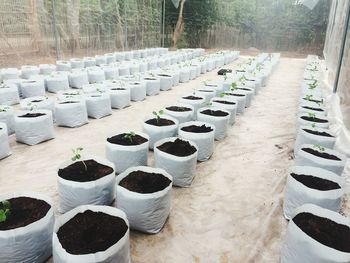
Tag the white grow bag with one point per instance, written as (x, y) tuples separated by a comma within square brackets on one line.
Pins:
[(46, 69), (9, 73), (126, 156), (156, 133), (249, 92), (96, 75), (89, 62), (78, 78), (220, 123), (240, 100), (45, 103), (299, 247), (31, 243), (166, 81), (32, 88), (196, 104), (9, 94), (304, 137), (137, 90), (119, 252), (145, 212), (98, 105), (71, 114), (302, 122), (205, 92), (181, 116), (32, 131), (152, 85), (306, 159), (56, 82), (204, 141), (73, 194), (28, 71), (181, 168), (63, 65), (4, 141), (297, 194), (7, 116), (77, 63), (232, 108)]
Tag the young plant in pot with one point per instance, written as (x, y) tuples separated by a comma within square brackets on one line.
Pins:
[(4, 141), (140, 191), (57, 81), (316, 234), (314, 135), (85, 180), (40, 103), (70, 94), (312, 185), (305, 108), (308, 119), (239, 98), (319, 156), (127, 149), (9, 94), (178, 157), (218, 117), (236, 91), (202, 134), (207, 93), (247, 91), (312, 101), (98, 105), (226, 103), (159, 127), (7, 116), (180, 111), (194, 100), (34, 126), (71, 113), (119, 92), (91, 233), (26, 225)]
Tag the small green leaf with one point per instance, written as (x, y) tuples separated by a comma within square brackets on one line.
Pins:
[(161, 112)]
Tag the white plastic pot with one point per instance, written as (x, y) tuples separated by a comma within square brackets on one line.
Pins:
[(184, 74), (119, 252), (222, 103), (4, 141), (110, 72), (306, 159), (181, 116), (137, 90), (38, 103), (7, 116), (299, 247), (220, 123), (207, 93), (98, 192), (126, 156), (70, 94), (145, 212), (110, 58), (181, 168), (302, 122), (9, 94), (297, 194), (77, 63), (204, 141), (166, 81), (98, 105), (32, 131), (31, 243), (156, 133), (28, 71), (71, 114), (196, 104), (304, 108), (306, 137), (100, 60), (96, 75), (89, 62), (248, 92), (32, 88), (9, 73)]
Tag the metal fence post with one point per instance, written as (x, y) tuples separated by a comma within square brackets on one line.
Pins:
[(58, 55)]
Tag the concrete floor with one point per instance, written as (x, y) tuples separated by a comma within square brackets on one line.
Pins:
[(233, 211)]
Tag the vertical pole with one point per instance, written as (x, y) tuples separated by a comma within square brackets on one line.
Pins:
[(342, 47), (126, 26), (58, 55), (163, 25)]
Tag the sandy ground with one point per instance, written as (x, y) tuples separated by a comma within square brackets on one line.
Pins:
[(233, 211)]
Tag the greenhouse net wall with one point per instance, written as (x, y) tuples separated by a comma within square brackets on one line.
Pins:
[(82, 28), (332, 51)]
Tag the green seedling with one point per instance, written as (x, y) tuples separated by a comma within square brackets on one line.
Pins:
[(225, 76), (319, 147), (234, 86), (4, 108), (5, 210), (320, 103), (222, 94), (129, 136), (313, 85), (31, 106), (77, 156), (313, 125), (311, 115), (308, 97), (158, 115)]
